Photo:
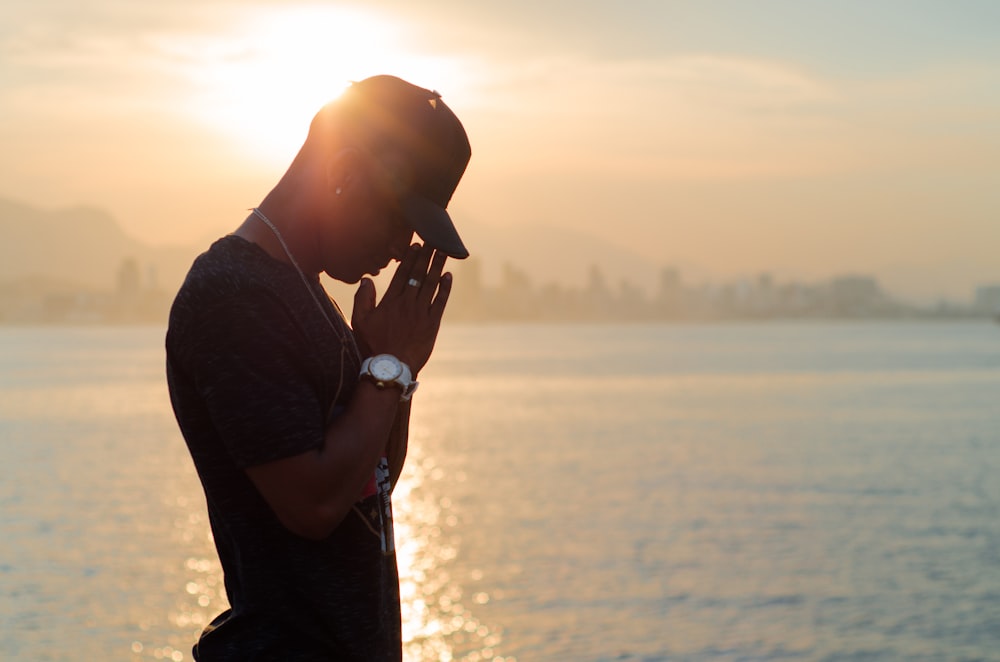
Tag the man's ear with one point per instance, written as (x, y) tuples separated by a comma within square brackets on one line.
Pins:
[(342, 170)]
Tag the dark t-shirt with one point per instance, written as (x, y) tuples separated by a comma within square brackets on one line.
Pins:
[(255, 374)]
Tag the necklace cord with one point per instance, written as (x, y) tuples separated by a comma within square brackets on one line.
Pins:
[(312, 293)]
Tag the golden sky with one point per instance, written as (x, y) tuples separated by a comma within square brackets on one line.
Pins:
[(730, 138)]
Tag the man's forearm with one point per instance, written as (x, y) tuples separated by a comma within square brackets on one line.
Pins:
[(398, 441), (312, 492)]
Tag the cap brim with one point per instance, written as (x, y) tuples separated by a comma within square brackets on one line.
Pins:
[(433, 224)]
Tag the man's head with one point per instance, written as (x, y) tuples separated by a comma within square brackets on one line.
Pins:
[(416, 145)]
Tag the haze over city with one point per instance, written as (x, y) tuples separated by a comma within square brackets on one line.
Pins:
[(725, 138)]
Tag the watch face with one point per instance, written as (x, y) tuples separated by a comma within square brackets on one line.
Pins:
[(385, 367)]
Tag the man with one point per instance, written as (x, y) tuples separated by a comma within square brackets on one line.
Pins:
[(296, 422)]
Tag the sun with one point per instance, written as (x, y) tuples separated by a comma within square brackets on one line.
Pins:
[(262, 81)]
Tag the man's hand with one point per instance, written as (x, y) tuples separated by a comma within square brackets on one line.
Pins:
[(406, 321)]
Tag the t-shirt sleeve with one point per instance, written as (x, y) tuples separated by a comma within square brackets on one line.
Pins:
[(246, 358)]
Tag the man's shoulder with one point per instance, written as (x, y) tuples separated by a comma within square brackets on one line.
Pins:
[(228, 262), (229, 267), (231, 273)]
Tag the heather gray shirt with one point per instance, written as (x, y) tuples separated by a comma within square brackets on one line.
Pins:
[(254, 371)]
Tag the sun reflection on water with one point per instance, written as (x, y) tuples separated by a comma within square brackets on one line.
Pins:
[(438, 612), (196, 582), (438, 623)]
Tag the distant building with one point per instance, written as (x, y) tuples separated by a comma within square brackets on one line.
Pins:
[(670, 295), (987, 299), (856, 295)]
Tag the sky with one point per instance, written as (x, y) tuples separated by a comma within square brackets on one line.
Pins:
[(801, 138)]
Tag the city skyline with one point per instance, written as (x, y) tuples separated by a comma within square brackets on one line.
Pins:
[(137, 295), (83, 247)]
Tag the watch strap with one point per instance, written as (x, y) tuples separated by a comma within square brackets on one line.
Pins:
[(404, 380)]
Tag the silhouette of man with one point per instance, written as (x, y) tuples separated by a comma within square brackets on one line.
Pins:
[(296, 421)]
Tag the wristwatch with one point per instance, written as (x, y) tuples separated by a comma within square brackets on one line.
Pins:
[(385, 370)]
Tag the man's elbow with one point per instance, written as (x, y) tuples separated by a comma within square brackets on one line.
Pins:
[(316, 523), (299, 497)]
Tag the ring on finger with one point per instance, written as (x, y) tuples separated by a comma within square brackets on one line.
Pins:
[(413, 282)]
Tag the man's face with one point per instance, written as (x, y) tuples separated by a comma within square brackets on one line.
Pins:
[(372, 231)]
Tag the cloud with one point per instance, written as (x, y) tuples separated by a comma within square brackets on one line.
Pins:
[(698, 115), (711, 116)]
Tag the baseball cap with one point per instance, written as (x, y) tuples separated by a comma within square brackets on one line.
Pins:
[(388, 115)]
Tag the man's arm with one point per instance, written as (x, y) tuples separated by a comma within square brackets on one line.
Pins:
[(399, 438), (312, 492)]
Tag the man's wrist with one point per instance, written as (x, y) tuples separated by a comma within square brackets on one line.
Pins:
[(388, 371)]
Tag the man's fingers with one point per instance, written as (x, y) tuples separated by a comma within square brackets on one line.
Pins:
[(398, 284), (364, 301), (441, 300), (418, 271), (432, 278)]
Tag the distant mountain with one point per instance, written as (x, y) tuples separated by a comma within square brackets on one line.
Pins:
[(80, 245)]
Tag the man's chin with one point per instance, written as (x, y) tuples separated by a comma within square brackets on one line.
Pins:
[(375, 272), (349, 279), (355, 278)]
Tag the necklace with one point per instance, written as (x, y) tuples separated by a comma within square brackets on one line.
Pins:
[(305, 281)]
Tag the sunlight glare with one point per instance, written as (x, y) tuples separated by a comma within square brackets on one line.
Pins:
[(262, 82)]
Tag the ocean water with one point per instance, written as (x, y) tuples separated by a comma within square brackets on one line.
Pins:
[(732, 492)]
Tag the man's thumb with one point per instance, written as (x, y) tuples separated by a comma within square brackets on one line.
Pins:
[(364, 299)]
